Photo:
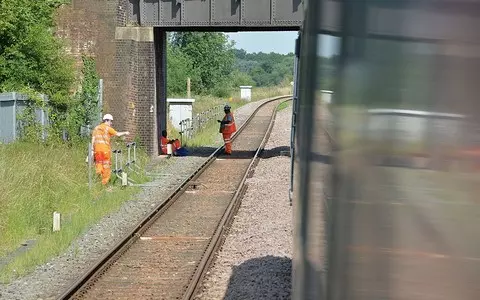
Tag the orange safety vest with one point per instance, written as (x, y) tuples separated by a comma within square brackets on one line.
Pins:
[(228, 128), (102, 134), (163, 144)]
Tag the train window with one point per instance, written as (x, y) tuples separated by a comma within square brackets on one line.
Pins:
[(386, 168)]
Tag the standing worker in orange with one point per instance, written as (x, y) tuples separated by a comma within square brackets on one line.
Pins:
[(227, 128), (101, 147)]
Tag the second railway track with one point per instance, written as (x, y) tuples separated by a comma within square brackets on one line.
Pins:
[(167, 254)]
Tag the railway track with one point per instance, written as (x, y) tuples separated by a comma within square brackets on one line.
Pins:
[(167, 254)]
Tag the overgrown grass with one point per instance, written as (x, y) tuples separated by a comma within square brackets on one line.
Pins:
[(38, 180), (209, 135), (269, 92), (283, 105), (204, 102)]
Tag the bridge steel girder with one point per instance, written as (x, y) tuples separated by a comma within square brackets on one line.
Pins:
[(229, 14)]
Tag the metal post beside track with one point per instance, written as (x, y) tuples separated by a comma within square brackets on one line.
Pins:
[(90, 163)]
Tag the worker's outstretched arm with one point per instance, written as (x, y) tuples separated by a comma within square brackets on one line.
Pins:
[(122, 133)]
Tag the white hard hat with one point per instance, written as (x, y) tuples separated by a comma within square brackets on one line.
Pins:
[(107, 117)]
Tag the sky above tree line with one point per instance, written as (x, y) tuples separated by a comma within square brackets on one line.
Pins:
[(280, 42)]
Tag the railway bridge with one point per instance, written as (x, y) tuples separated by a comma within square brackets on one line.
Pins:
[(131, 39), (131, 47)]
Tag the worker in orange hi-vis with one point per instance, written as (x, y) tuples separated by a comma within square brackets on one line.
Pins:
[(227, 128), (101, 147), (164, 141)]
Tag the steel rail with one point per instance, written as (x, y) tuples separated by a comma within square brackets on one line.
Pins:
[(223, 226), (116, 251)]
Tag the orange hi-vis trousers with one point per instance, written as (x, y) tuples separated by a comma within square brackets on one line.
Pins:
[(103, 165), (228, 142)]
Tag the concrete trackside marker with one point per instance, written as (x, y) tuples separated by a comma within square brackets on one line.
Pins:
[(124, 179), (56, 221)]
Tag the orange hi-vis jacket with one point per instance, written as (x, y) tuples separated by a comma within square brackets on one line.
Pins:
[(228, 128), (102, 134), (165, 141)]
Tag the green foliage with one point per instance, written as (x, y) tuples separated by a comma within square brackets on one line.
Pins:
[(216, 68), (222, 91), (239, 78), (283, 105), (84, 110), (30, 56), (179, 68), (31, 129), (89, 94), (207, 58), (33, 61), (209, 136), (265, 69)]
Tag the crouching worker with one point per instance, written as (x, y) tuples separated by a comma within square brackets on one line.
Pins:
[(101, 147), (227, 128), (177, 148)]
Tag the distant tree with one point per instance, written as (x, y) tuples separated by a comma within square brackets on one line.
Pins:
[(260, 77), (211, 56), (240, 78), (245, 66), (266, 69), (179, 68), (240, 53), (267, 66)]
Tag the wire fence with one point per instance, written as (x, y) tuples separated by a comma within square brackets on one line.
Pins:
[(190, 127), (120, 167)]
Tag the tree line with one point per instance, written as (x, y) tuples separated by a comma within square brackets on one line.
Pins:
[(216, 67)]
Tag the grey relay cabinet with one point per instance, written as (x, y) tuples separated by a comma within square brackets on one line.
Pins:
[(11, 105)]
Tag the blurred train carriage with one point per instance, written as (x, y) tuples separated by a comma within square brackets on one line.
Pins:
[(384, 194)]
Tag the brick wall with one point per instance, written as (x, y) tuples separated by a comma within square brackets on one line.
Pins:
[(146, 118), (126, 66), (133, 95)]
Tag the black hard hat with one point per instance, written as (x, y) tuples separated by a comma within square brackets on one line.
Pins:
[(226, 107)]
